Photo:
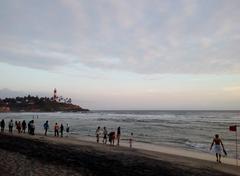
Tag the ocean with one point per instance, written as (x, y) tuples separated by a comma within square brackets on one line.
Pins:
[(190, 130)]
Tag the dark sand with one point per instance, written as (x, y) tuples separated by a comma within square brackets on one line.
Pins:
[(38, 155)]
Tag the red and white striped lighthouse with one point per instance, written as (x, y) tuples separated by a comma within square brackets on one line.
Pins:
[(55, 94)]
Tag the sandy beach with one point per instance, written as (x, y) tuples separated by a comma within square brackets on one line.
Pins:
[(40, 155)]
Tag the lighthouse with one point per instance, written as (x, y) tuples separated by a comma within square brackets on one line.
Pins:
[(55, 94)]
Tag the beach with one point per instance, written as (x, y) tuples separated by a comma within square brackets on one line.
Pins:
[(191, 130), (40, 155)]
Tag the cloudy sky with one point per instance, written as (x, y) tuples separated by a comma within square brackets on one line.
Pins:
[(128, 54)]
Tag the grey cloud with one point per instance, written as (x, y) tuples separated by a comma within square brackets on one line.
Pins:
[(8, 93), (146, 37)]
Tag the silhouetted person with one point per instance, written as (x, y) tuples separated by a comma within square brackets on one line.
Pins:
[(98, 133), (61, 130), (105, 133), (29, 126), (2, 125), (111, 137), (56, 130), (67, 130), (217, 142), (10, 126), (32, 127), (46, 126), (24, 126), (19, 127), (118, 135)]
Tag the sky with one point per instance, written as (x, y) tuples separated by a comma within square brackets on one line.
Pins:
[(128, 54)]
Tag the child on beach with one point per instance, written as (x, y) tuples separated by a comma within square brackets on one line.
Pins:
[(131, 140), (218, 147)]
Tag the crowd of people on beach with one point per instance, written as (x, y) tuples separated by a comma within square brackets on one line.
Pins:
[(21, 127), (57, 129), (100, 132), (111, 136)]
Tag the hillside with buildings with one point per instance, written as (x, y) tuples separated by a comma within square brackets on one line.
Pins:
[(39, 104)]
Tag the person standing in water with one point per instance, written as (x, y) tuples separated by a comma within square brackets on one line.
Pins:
[(118, 135), (218, 147)]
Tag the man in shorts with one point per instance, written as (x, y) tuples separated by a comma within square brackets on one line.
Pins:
[(218, 147)]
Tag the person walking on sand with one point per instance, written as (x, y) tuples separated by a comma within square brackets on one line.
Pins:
[(118, 135), (10, 126), (67, 129), (218, 147), (98, 133), (2, 125), (56, 128), (131, 140), (105, 135), (46, 126), (24, 126), (61, 129)]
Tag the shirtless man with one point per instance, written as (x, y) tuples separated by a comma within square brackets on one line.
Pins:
[(217, 147)]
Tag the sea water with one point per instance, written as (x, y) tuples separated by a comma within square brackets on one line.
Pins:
[(191, 130)]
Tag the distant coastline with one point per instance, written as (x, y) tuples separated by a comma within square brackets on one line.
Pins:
[(38, 104)]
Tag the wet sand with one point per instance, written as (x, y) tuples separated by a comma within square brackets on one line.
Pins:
[(40, 155)]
